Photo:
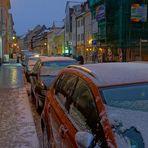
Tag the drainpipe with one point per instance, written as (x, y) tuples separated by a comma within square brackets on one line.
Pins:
[(76, 36), (1, 19)]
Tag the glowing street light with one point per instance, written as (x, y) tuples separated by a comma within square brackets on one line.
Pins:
[(90, 41)]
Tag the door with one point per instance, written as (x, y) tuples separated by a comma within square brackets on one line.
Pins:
[(84, 114), (62, 131)]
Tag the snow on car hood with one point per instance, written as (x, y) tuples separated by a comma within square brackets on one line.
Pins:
[(125, 120)]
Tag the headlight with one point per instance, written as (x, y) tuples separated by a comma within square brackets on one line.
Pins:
[(37, 55)]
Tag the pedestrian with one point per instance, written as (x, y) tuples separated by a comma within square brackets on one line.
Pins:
[(80, 59), (17, 58)]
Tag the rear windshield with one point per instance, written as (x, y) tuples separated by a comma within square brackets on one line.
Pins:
[(59, 63), (53, 67)]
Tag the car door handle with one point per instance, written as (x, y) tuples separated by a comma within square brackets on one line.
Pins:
[(62, 130)]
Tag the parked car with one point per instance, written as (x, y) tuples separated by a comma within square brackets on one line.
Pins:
[(6, 58), (98, 105), (29, 66), (43, 74), (25, 55)]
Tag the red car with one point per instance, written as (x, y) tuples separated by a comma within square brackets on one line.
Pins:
[(98, 105)]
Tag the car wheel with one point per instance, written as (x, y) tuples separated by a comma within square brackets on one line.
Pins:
[(45, 138)]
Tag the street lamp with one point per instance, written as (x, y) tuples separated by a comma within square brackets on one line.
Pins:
[(13, 37), (15, 44)]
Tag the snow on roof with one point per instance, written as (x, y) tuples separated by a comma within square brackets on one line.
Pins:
[(60, 32), (118, 73)]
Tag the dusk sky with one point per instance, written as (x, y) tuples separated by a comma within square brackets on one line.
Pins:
[(29, 13)]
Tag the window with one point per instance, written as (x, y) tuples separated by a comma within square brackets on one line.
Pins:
[(83, 105), (84, 113), (82, 37), (77, 101), (64, 89), (82, 23), (37, 66), (78, 23), (78, 37)]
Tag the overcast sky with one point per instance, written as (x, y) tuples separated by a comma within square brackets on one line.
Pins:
[(29, 13)]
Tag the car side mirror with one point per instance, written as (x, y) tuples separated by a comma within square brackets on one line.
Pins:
[(84, 139)]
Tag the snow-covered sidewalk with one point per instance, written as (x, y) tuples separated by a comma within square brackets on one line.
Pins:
[(17, 128)]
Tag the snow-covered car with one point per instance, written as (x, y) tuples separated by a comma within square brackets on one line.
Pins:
[(43, 73), (31, 61), (26, 54), (98, 105), (6, 58)]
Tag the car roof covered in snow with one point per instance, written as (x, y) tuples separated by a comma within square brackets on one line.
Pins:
[(107, 74), (55, 58)]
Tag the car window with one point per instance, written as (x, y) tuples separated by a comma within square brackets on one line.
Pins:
[(77, 101), (37, 66), (59, 63), (84, 113), (83, 106), (64, 89)]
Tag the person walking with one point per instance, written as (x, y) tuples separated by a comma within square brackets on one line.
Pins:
[(80, 59)]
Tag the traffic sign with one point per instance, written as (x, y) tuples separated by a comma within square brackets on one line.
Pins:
[(94, 42)]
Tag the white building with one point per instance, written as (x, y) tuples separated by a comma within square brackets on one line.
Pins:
[(68, 26)]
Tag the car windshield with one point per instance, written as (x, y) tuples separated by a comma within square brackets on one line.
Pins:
[(134, 97), (53, 67), (59, 63)]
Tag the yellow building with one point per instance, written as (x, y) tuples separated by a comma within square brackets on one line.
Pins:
[(55, 40), (59, 42)]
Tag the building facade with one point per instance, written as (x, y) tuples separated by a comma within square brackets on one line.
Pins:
[(11, 34), (55, 40), (82, 30), (59, 40), (29, 39), (4, 15), (68, 26), (119, 33)]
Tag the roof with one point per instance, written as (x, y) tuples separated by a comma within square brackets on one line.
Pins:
[(60, 32), (54, 58), (107, 74)]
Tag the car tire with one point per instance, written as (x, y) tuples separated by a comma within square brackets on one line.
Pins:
[(45, 138)]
